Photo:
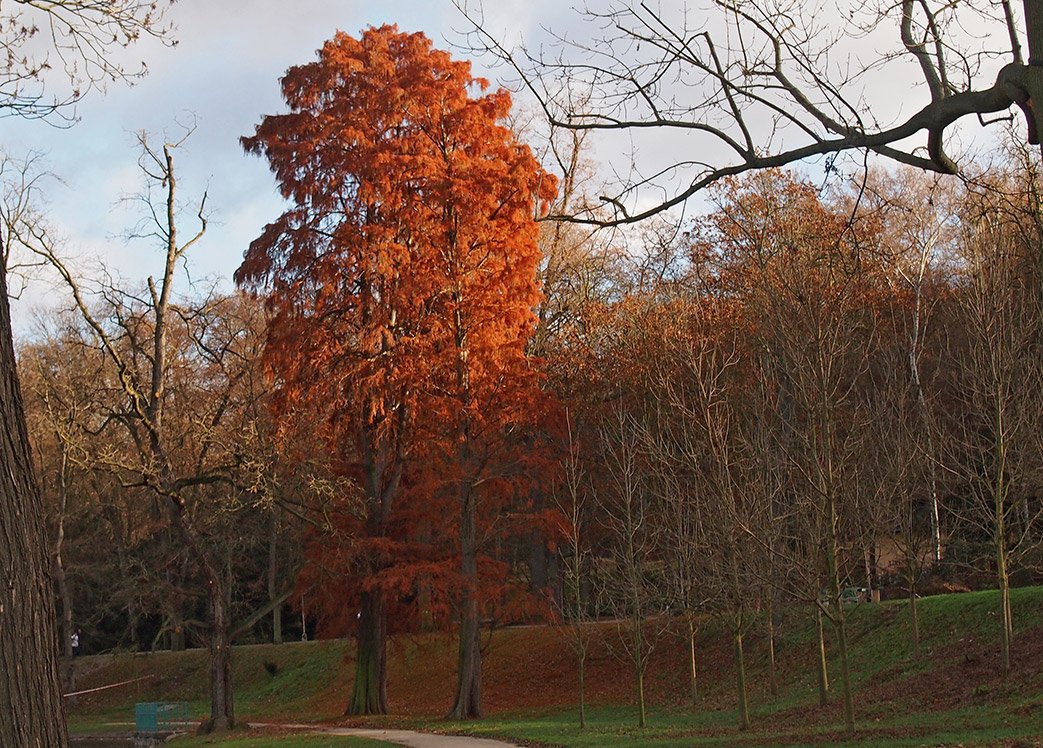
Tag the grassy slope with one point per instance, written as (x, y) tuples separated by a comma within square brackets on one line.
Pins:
[(954, 694)]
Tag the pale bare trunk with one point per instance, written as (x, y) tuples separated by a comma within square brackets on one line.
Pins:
[(740, 682), (773, 676), (693, 631), (821, 662)]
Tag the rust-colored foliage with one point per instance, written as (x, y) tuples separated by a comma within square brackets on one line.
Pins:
[(402, 280)]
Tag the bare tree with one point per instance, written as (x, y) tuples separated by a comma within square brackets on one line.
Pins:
[(997, 448), (770, 83), (571, 501), (917, 214), (140, 338), (720, 515), (83, 35), (806, 289), (628, 578), (80, 38)]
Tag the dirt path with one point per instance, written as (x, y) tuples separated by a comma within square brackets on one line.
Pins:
[(408, 738), (419, 739)]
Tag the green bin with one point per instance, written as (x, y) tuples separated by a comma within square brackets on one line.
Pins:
[(152, 717)]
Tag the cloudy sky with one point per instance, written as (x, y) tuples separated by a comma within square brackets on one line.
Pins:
[(223, 76)]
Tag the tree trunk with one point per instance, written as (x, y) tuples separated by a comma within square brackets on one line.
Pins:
[(845, 673), (840, 627), (583, 689), (468, 703), (66, 629), (1006, 622), (277, 625), (222, 712), (773, 676), (61, 579), (369, 693), (31, 709), (914, 617), (1034, 73), (641, 712), (693, 672), (740, 683), (823, 665), (273, 592), (1000, 493)]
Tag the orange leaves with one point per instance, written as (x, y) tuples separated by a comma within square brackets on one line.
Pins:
[(402, 278)]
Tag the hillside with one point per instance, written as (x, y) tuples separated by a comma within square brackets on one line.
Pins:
[(955, 692)]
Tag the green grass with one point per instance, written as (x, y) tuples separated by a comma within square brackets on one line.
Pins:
[(182, 676), (667, 728), (881, 650), (895, 705)]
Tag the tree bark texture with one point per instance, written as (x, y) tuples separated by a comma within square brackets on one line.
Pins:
[(468, 702), (31, 709), (369, 692), (222, 711)]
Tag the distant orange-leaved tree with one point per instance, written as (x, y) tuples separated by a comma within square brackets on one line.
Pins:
[(403, 278)]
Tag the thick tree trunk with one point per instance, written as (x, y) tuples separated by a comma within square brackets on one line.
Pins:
[(31, 711), (468, 703), (1034, 78), (222, 712), (369, 693)]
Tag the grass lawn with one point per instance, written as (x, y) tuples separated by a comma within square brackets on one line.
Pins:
[(617, 727), (953, 695)]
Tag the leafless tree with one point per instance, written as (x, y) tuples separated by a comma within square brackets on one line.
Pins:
[(83, 36), (629, 575), (720, 513), (180, 399), (75, 39), (571, 501), (997, 448), (774, 82)]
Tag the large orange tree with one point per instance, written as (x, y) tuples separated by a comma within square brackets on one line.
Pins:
[(403, 277)]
